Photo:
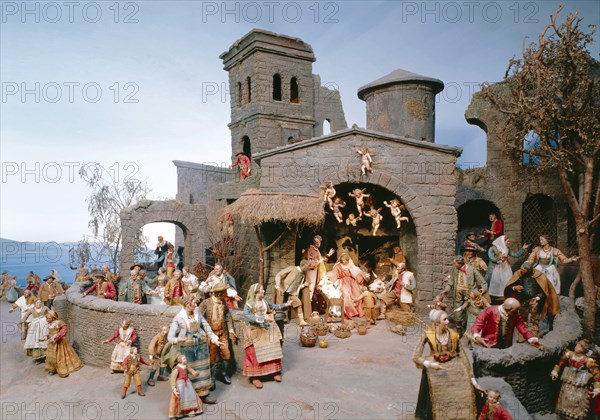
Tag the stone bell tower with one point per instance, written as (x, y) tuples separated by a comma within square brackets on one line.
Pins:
[(271, 85)]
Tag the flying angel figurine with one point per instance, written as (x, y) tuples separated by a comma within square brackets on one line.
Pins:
[(396, 210)]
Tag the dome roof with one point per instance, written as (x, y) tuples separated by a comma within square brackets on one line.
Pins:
[(400, 76)]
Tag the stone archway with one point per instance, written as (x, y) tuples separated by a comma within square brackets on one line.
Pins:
[(431, 207), (191, 218), (434, 216)]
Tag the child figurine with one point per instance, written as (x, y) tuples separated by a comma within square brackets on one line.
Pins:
[(396, 210), (328, 193), (360, 199), (338, 204), (131, 369), (184, 399), (125, 337), (376, 216), (492, 410), (369, 302), (352, 220), (474, 305), (365, 160)]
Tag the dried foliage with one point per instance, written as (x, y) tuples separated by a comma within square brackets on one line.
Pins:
[(107, 199), (553, 92)]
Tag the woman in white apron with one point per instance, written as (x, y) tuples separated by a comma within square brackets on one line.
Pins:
[(545, 258), (499, 270)]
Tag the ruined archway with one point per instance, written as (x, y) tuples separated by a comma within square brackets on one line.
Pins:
[(190, 218)]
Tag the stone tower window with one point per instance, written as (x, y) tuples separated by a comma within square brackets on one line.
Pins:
[(326, 126), (249, 89), (294, 91), (239, 94), (276, 87), (246, 146)]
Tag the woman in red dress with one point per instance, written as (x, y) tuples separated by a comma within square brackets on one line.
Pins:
[(351, 278)]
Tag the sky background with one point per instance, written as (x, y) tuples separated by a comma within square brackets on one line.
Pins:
[(127, 84)]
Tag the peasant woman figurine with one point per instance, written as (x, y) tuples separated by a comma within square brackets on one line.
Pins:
[(447, 379), (184, 399), (262, 338), (60, 356), (545, 258)]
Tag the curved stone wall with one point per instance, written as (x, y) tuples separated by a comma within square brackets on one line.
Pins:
[(91, 320), (526, 369)]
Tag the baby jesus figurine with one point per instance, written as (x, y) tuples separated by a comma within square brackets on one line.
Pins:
[(396, 210), (338, 204), (333, 290), (352, 220), (328, 193), (377, 217), (359, 195), (365, 158)]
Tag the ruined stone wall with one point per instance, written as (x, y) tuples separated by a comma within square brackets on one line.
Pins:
[(505, 184), (91, 320), (422, 176), (328, 106), (526, 369)]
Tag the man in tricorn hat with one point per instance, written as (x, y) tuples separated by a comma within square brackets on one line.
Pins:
[(215, 311), (104, 289), (471, 258), (461, 281), (470, 242), (244, 163), (49, 290)]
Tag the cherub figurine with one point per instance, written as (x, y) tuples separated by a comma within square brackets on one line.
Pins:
[(338, 204), (396, 210), (365, 158), (352, 220), (328, 193), (377, 217), (360, 199)]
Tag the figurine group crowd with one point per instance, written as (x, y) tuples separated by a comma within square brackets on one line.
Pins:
[(197, 345), (528, 296)]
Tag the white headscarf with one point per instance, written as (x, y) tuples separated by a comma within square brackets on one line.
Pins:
[(500, 243)]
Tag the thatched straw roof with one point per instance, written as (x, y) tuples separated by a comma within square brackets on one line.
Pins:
[(256, 207)]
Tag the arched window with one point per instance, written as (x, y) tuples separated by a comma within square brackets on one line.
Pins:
[(249, 89), (246, 147), (239, 94), (294, 91), (531, 141), (326, 127), (276, 87)]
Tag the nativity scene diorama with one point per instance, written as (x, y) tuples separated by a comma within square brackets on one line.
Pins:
[(344, 234)]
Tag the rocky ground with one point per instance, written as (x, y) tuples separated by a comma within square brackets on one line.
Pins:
[(360, 377)]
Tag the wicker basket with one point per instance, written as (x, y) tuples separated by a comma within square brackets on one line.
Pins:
[(322, 329), (342, 332), (400, 317), (308, 337)]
